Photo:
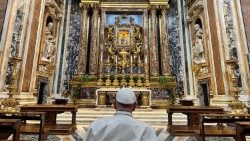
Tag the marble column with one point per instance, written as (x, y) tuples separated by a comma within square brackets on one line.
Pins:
[(145, 41), (165, 54), (102, 44), (94, 50), (83, 49), (153, 46)]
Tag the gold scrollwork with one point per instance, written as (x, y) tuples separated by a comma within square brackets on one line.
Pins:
[(145, 99), (102, 98)]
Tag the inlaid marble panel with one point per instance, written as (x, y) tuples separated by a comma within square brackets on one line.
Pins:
[(85, 92), (229, 25), (73, 42), (15, 43), (231, 36), (62, 48), (163, 93), (174, 44)]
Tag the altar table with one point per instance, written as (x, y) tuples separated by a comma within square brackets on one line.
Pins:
[(101, 95)]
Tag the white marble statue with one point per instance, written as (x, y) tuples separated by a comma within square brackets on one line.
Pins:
[(198, 47), (49, 44)]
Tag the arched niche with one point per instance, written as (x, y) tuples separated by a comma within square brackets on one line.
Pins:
[(199, 22), (50, 19)]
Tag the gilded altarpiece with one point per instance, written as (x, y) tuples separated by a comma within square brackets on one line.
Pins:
[(132, 51)]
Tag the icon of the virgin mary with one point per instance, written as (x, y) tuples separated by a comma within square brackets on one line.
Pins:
[(124, 40)]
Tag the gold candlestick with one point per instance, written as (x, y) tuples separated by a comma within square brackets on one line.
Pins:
[(115, 82), (146, 82), (123, 54), (10, 104), (236, 105), (131, 81), (108, 81), (139, 82), (100, 81)]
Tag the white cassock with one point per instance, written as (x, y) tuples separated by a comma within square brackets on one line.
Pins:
[(121, 127)]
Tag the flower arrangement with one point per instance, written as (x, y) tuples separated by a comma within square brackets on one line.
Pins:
[(84, 78), (163, 79), (171, 97), (76, 94)]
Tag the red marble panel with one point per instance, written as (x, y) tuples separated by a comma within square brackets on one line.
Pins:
[(215, 48), (31, 49)]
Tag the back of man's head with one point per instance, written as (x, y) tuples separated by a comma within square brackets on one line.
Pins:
[(125, 100)]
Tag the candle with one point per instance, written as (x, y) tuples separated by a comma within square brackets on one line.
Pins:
[(131, 59), (101, 53), (116, 59), (101, 56)]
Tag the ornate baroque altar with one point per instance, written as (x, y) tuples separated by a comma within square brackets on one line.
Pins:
[(124, 47)]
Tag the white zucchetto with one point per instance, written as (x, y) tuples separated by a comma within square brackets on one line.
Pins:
[(125, 96)]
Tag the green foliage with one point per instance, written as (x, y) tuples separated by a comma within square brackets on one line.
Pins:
[(163, 79), (135, 78), (84, 78), (143, 79), (112, 77), (127, 78), (76, 94)]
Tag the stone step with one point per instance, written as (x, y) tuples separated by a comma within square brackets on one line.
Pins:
[(148, 116), (157, 118), (135, 116), (145, 120)]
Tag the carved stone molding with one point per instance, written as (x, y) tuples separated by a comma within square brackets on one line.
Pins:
[(90, 1), (153, 8), (84, 7), (188, 19), (190, 3), (158, 2), (54, 9), (164, 7), (195, 9), (95, 7)]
